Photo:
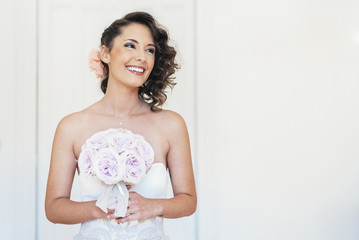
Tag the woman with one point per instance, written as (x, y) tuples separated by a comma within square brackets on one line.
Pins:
[(138, 65)]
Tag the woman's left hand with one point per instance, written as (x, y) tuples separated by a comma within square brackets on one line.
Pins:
[(139, 208)]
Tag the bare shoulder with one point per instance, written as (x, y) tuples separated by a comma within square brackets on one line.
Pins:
[(71, 121), (171, 121), (75, 120), (72, 124)]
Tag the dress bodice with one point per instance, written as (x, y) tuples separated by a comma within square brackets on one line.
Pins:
[(152, 185)]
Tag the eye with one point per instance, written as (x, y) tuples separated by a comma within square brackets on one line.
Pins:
[(129, 45), (151, 50)]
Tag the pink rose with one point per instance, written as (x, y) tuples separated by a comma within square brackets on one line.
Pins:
[(145, 150), (135, 166), (84, 162), (95, 64), (122, 140), (96, 142), (107, 167)]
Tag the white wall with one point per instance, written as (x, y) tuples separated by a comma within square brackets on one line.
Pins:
[(278, 119), (18, 119), (273, 122)]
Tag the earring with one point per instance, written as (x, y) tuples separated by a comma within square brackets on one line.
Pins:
[(105, 59)]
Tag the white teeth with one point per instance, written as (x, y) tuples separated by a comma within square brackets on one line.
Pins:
[(135, 69)]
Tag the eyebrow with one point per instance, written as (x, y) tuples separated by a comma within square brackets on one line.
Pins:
[(134, 40)]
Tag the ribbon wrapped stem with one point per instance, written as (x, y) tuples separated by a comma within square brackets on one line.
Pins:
[(114, 196)]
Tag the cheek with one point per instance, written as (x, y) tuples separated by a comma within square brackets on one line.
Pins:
[(122, 56), (119, 63), (151, 62)]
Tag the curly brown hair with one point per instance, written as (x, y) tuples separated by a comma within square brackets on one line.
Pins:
[(153, 91)]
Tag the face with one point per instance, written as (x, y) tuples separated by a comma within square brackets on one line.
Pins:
[(132, 56)]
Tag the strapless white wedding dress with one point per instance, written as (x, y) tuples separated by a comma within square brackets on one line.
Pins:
[(152, 185)]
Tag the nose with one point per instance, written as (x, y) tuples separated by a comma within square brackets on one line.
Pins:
[(140, 57)]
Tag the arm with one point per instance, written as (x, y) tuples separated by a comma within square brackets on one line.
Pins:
[(181, 171), (58, 206), (179, 163)]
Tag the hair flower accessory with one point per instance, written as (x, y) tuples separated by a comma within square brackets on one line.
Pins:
[(95, 64)]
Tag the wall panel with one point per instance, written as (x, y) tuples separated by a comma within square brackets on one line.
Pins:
[(68, 31), (277, 122), (18, 120)]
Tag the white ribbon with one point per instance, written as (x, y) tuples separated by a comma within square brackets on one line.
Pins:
[(114, 197)]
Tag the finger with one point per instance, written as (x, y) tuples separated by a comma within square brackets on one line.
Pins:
[(129, 211), (111, 216), (131, 217)]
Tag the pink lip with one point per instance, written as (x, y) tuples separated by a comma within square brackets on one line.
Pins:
[(135, 72)]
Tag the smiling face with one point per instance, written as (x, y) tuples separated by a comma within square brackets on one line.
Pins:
[(132, 56)]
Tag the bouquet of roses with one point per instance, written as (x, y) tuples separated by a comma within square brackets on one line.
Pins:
[(118, 158)]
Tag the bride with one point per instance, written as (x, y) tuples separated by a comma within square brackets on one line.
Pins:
[(136, 65)]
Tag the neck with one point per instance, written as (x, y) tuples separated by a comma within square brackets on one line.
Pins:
[(121, 102)]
